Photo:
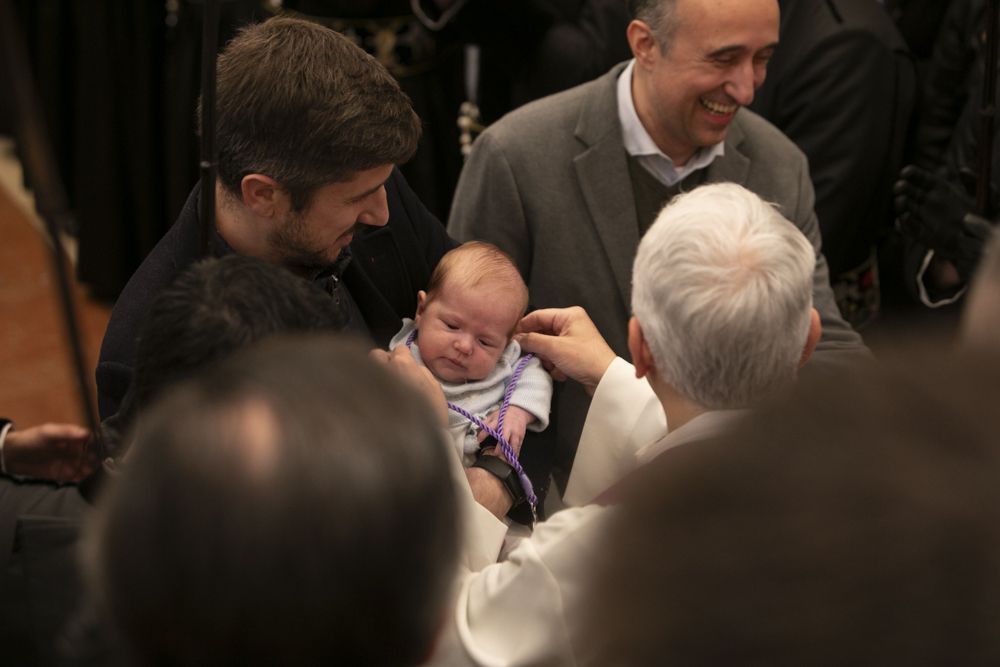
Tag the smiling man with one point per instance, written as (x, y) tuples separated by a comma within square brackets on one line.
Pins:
[(569, 184), (310, 129)]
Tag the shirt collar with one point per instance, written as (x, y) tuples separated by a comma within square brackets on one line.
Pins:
[(639, 144)]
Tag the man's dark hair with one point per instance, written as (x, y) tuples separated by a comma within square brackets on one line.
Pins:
[(854, 525), (658, 15), (293, 505), (213, 308), (304, 105)]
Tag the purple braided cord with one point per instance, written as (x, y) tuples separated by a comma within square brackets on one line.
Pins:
[(505, 447), (497, 434), (510, 388)]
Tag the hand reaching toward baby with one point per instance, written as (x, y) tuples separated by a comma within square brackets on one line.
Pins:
[(400, 361)]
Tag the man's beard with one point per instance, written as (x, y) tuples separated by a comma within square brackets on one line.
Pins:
[(295, 254)]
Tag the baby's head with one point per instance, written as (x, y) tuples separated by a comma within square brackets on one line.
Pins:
[(469, 312)]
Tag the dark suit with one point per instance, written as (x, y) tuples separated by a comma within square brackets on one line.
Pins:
[(390, 264), (841, 86), (549, 184), (39, 577)]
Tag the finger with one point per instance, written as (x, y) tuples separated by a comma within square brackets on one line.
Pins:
[(515, 441), (379, 356), (554, 321), (543, 345), (402, 353), (546, 320), (508, 427), (910, 190), (402, 358), (52, 431), (915, 174), (911, 199), (491, 421), (899, 205)]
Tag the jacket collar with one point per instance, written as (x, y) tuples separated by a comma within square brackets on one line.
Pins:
[(602, 172)]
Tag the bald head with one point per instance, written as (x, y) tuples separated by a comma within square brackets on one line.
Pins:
[(981, 317)]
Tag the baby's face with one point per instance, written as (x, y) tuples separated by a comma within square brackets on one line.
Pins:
[(463, 331)]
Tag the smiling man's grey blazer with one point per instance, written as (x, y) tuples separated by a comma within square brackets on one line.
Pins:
[(549, 184)]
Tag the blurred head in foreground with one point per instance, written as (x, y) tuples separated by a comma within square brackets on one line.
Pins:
[(271, 512), (855, 524)]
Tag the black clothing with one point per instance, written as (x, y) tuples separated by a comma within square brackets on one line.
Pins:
[(833, 87), (952, 77), (842, 86), (919, 21), (390, 264), (40, 586)]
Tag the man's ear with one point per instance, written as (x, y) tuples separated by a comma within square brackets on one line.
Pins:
[(815, 331), (642, 41), (642, 359), (263, 195)]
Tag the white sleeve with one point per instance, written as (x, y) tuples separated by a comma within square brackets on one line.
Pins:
[(482, 533), (624, 417), (524, 611)]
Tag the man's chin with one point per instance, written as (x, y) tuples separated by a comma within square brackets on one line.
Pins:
[(714, 130)]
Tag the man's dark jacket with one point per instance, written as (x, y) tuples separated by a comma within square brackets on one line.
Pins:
[(841, 85), (390, 264), (40, 584)]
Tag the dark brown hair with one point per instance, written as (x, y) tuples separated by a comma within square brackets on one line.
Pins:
[(659, 15), (304, 105)]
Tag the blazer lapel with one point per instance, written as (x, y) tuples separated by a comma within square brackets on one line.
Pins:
[(602, 172)]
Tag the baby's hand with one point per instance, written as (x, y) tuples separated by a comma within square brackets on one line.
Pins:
[(514, 425)]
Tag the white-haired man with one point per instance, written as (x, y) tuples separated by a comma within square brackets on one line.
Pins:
[(729, 327)]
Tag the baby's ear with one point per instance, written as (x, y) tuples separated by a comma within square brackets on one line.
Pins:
[(421, 303)]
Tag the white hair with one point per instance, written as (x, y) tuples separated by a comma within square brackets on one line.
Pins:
[(722, 288)]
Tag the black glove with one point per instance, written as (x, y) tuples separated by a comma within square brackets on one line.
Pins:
[(938, 214)]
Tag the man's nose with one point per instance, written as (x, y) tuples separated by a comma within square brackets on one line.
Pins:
[(742, 83), (377, 214)]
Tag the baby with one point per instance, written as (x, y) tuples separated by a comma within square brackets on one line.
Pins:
[(464, 325)]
